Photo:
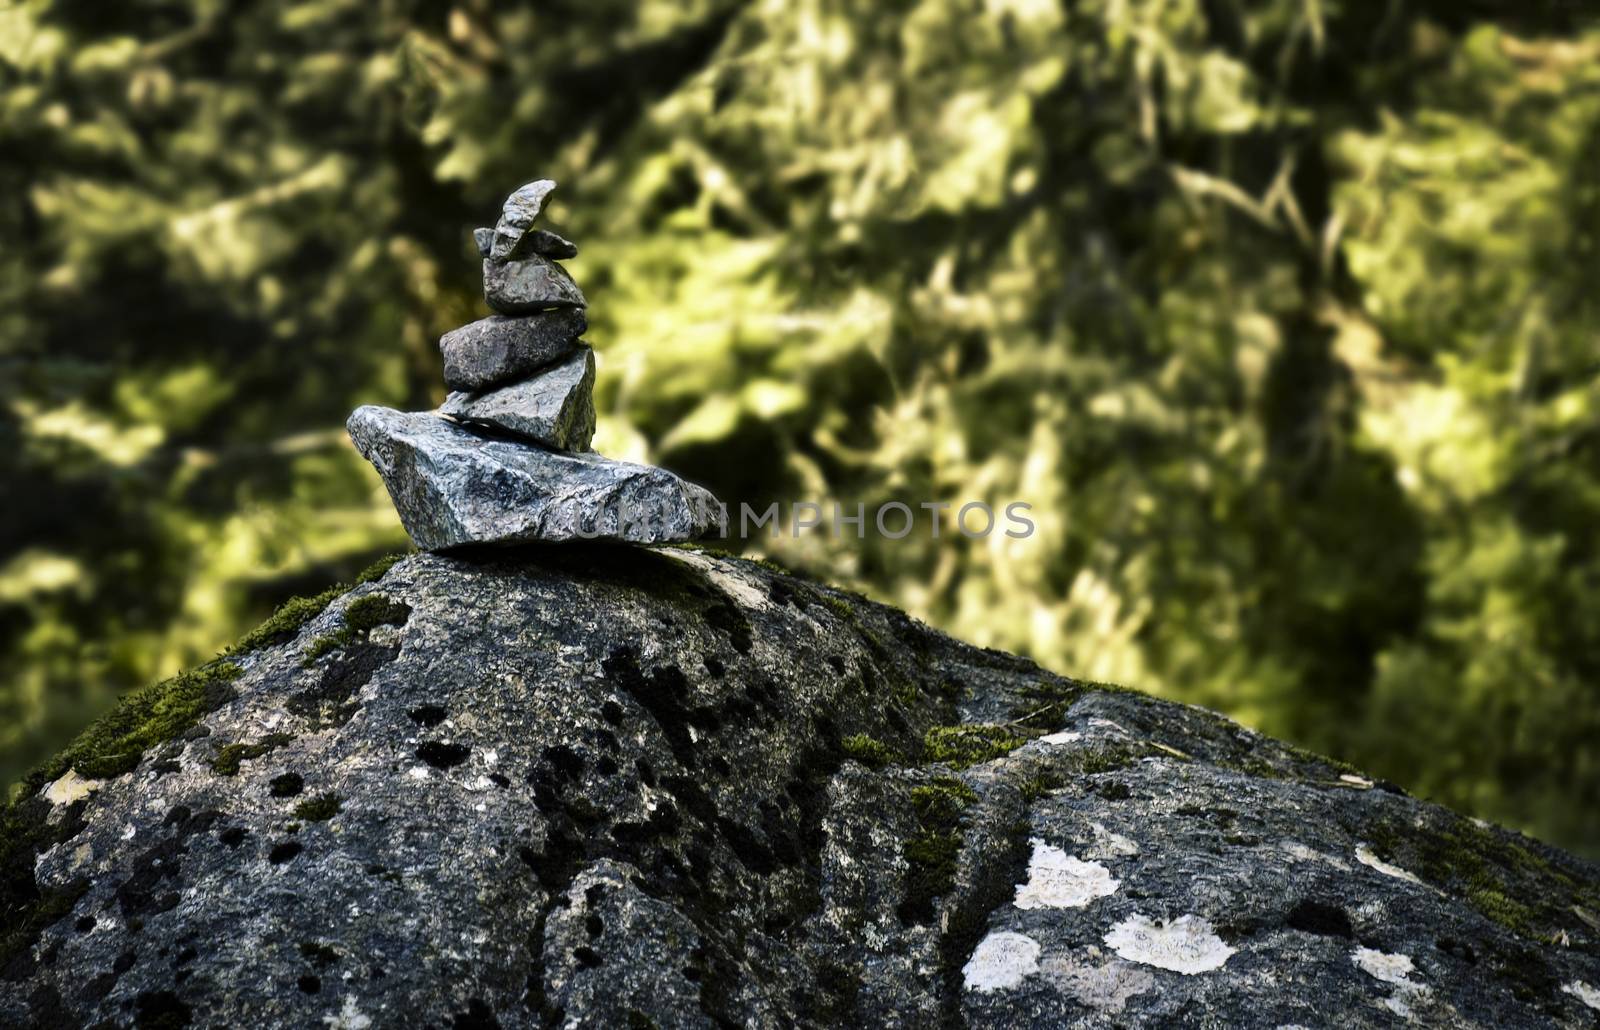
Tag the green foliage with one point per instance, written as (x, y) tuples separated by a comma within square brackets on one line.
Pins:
[(1280, 314), (961, 746)]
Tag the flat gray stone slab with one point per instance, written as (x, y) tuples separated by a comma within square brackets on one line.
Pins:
[(554, 407), (527, 285), (497, 350), (453, 487)]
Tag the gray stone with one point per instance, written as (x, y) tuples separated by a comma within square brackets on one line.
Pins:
[(536, 241), (612, 786), (554, 407), (517, 215), (529, 284), (546, 244), (497, 350), (453, 487)]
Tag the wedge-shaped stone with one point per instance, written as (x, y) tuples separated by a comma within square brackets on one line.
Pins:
[(530, 284), (517, 215), (554, 407), (453, 487), (497, 350)]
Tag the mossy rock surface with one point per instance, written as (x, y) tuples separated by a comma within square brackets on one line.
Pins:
[(618, 786)]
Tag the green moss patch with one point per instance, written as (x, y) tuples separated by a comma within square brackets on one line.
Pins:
[(318, 809), (961, 746), (230, 756), (1504, 880), (374, 572), (932, 850), (285, 623), (361, 617), (870, 752), (291, 617), (116, 743)]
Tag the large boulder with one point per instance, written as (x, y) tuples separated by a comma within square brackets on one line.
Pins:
[(612, 787)]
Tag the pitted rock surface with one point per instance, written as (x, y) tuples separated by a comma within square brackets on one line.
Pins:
[(609, 786)]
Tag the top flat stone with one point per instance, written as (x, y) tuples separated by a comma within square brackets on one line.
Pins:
[(517, 216)]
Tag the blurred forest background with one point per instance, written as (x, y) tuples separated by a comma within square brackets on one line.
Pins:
[(1283, 314)]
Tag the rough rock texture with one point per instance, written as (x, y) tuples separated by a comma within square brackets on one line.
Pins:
[(535, 241), (517, 215), (453, 487), (546, 243), (613, 787), (529, 284), (554, 408), (497, 350)]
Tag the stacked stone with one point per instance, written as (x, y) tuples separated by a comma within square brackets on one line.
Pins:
[(506, 459), (524, 371)]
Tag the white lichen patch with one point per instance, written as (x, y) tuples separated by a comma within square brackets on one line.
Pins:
[(1301, 853), (1396, 970), (1590, 996), (1365, 856), (1391, 969), (1186, 945), (349, 1017), (1001, 960), (1105, 987), (70, 787), (1059, 880)]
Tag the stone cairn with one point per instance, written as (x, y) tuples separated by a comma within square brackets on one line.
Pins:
[(506, 459)]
